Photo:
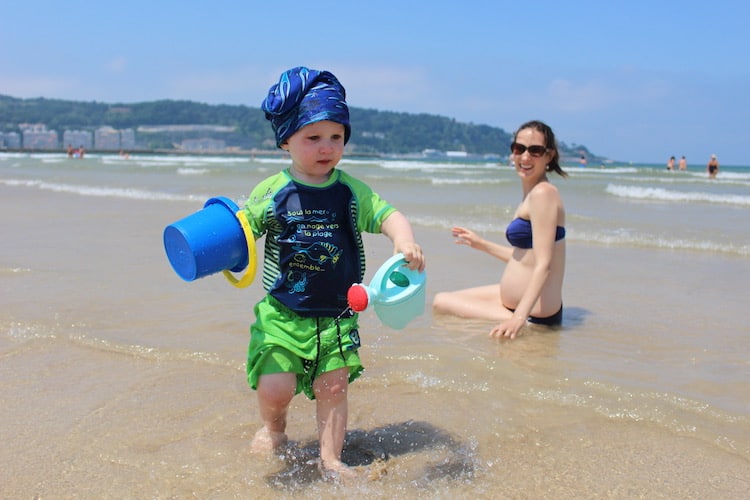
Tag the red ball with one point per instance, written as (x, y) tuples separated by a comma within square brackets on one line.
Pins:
[(357, 298)]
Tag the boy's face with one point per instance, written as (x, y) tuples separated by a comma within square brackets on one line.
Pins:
[(315, 150)]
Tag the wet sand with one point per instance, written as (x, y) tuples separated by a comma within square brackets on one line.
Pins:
[(120, 380)]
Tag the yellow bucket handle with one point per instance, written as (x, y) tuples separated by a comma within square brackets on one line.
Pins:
[(252, 258)]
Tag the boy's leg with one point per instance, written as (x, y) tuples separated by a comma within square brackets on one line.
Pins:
[(332, 412), (275, 392)]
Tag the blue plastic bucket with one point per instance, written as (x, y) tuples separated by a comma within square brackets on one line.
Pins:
[(398, 293), (208, 241)]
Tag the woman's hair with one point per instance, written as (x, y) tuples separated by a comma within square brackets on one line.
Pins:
[(549, 142)]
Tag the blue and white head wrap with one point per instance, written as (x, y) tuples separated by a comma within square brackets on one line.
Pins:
[(304, 96)]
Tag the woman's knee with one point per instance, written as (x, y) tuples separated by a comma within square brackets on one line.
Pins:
[(440, 302)]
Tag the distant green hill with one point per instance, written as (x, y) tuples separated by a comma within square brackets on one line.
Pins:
[(381, 132)]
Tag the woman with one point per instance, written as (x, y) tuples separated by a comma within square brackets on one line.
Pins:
[(531, 286)]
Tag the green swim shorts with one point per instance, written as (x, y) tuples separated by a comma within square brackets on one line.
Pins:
[(281, 341)]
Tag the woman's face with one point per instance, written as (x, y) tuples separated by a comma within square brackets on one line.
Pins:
[(530, 154)]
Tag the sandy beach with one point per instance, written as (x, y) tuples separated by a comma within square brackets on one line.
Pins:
[(120, 380)]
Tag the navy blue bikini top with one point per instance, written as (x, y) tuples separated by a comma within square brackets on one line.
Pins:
[(519, 233)]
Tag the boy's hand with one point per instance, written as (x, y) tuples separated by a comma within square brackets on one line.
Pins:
[(413, 255)]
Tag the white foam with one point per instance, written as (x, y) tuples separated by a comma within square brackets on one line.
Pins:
[(100, 191), (661, 194), (626, 238), (192, 171)]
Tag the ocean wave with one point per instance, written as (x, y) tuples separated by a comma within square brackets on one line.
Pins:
[(425, 381), (465, 180), (19, 332), (352, 161), (151, 353), (275, 161), (661, 194), (14, 270), (170, 161), (488, 228), (673, 412), (192, 171), (426, 166), (601, 171), (8, 156), (101, 191), (644, 240), (22, 332), (729, 175), (194, 159)]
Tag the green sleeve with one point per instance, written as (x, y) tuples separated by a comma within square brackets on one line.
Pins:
[(259, 202), (372, 209)]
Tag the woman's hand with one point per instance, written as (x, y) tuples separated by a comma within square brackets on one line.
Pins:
[(466, 237), (509, 328), (471, 239)]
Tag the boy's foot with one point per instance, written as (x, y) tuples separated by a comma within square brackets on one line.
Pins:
[(266, 441), (336, 470)]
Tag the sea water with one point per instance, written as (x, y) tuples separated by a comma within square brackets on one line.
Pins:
[(119, 379)]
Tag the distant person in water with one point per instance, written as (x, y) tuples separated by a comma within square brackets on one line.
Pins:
[(530, 289), (582, 161), (713, 167), (670, 164), (682, 165)]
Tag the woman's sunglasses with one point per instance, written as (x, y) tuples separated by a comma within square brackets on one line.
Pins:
[(535, 151)]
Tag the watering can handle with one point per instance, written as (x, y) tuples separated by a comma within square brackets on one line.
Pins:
[(252, 258), (391, 265)]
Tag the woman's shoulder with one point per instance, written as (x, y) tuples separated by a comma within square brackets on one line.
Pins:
[(542, 198), (544, 190)]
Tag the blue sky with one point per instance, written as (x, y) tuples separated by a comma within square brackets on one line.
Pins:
[(631, 80)]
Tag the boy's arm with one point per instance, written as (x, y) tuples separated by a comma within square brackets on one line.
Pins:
[(398, 229)]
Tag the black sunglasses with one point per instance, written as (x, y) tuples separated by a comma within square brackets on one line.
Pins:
[(535, 151)]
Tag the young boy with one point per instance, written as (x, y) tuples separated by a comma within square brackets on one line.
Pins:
[(313, 216)]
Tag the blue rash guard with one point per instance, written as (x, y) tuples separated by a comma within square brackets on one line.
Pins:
[(313, 249)]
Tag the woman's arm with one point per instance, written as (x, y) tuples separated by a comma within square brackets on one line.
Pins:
[(471, 239)]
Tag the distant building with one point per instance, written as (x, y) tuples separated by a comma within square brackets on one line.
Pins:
[(36, 136), (10, 140), (107, 139), (127, 139), (77, 138)]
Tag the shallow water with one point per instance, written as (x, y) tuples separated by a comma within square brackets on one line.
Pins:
[(118, 379)]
